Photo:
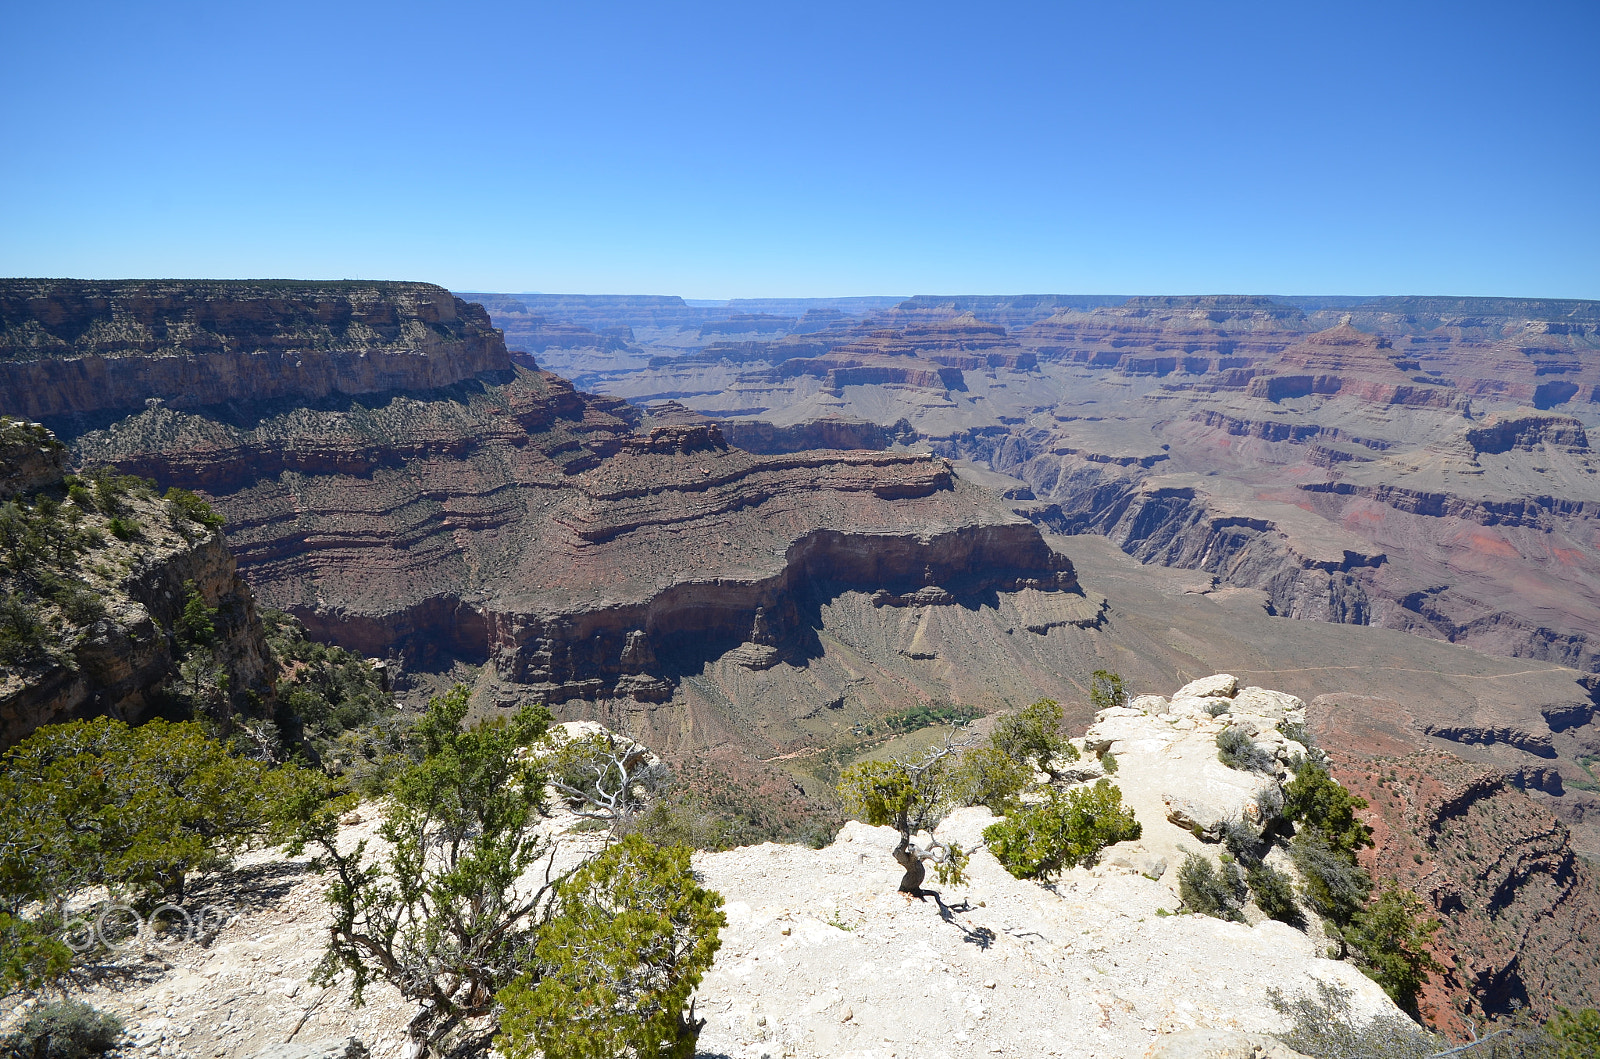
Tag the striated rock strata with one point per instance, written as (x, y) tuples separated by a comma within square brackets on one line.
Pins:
[(529, 525), (1521, 911), (81, 347)]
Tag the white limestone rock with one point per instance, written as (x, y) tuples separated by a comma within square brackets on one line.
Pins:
[(1218, 685), (1221, 1044), (1273, 705)]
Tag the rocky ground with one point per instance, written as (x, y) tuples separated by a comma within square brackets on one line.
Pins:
[(822, 957)]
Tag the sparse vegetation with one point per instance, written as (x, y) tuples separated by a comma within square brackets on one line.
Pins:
[(1238, 750), (1325, 1026), (335, 702), (1209, 891), (463, 916), (1273, 893), (926, 715), (910, 797), (1107, 689), (602, 776), (1392, 935), (996, 773), (193, 507), (1315, 800)]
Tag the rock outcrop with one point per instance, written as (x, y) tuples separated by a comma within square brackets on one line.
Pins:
[(820, 957), (1521, 911), (1367, 463), (114, 659), (30, 458), (75, 347)]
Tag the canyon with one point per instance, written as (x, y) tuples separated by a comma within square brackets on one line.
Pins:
[(1415, 464), (751, 533)]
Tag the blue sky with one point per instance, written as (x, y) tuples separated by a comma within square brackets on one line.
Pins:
[(753, 149)]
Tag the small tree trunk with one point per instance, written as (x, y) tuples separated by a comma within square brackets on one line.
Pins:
[(906, 857)]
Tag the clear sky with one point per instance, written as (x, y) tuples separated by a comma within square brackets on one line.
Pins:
[(763, 149)]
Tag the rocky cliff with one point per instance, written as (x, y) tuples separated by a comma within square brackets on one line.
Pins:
[(472, 509), (91, 620), (71, 347), (1520, 908), (529, 524)]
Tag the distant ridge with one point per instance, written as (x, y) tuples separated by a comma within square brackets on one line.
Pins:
[(1531, 308), (991, 302)]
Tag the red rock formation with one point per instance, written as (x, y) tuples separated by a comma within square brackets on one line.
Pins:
[(528, 524), (1521, 911)]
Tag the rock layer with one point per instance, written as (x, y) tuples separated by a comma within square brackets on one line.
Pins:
[(524, 523), (70, 347)]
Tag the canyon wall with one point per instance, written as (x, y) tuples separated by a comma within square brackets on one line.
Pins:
[(116, 659), (71, 347)]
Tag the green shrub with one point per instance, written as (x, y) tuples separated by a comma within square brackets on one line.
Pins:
[(1243, 841), (137, 810), (1208, 891), (987, 775), (334, 700), (1296, 731), (193, 507), (63, 1029), (909, 796), (110, 488), (197, 624), (1334, 885), (24, 637), (1108, 761), (1107, 689), (1313, 798), (683, 818), (447, 911), (1238, 750), (1392, 935), (1326, 1026), (1273, 893), (632, 937), (32, 956), (124, 529), (1040, 841), (1034, 733), (1576, 1032)]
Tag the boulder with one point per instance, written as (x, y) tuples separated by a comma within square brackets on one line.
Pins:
[(1218, 685), (1275, 706), (1139, 859)]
